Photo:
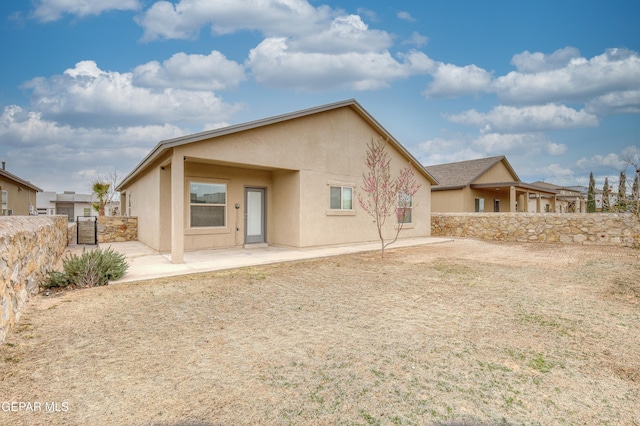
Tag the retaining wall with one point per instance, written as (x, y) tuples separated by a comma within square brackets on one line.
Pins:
[(617, 229), (29, 247), (116, 229)]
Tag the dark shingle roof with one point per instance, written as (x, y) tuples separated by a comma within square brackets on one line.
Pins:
[(463, 173)]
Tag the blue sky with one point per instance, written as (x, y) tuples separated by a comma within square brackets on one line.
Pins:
[(87, 86)]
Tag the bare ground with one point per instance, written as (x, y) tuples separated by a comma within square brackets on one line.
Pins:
[(460, 333)]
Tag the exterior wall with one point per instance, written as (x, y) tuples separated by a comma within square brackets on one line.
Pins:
[(21, 200), (112, 229), (577, 228), (285, 221), (29, 246), (236, 179), (295, 161), (145, 205), (448, 201), (497, 173)]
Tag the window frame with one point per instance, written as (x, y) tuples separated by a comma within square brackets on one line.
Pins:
[(409, 207), (479, 205), (4, 202), (342, 198), (204, 181)]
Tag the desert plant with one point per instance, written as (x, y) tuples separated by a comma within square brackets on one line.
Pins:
[(591, 195), (89, 269)]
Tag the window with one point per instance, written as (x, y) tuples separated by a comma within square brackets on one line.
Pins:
[(4, 202), (208, 204), (496, 205), (480, 205), (341, 198), (87, 211), (405, 208)]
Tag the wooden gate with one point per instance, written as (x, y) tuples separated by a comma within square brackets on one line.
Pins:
[(87, 230)]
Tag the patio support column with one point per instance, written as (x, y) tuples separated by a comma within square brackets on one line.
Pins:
[(539, 203), (177, 207), (512, 199)]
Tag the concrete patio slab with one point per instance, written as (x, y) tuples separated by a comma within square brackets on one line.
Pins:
[(146, 263)]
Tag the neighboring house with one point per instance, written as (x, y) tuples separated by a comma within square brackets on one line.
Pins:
[(485, 185), (289, 180), (18, 195), (568, 199), (71, 204)]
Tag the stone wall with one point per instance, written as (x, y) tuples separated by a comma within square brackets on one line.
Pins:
[(572, 228), (29, 246), (115, 229)]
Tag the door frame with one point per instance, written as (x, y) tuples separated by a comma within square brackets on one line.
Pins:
[(263, 237)]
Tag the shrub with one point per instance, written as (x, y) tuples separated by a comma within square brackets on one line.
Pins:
[(90, 269)]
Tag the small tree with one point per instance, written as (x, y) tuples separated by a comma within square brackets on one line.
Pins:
[(104, 191), (591, 195), (606, 201), (621, 202), (101, 191), (635, 194), (385, 196)]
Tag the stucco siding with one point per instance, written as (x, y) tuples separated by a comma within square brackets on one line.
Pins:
[(145, 204), (19, 197), (448, 201), (497, 173), (285, 219)]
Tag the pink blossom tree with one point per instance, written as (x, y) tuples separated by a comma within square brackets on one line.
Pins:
[(382, 196)]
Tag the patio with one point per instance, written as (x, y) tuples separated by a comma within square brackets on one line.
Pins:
[(146, 263)]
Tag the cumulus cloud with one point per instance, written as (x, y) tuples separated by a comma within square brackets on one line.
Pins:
[(406, 16), (623, 102), (192, 72), (509, 119), (52, 10), (453, 81), (416, 40), (86, 95), (519, 143), (61, 157), (579, 80), (611, 160), (274, 64), (527, 62), (346, 33), (184, 19)]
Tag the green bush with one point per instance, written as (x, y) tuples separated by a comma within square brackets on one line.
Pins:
[(90, 269)]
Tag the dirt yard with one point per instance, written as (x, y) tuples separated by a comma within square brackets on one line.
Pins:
[(460, 333)]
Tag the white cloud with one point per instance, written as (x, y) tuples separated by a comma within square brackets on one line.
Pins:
[(611, 160), (406, 16), (623, 102), (192, 72), (578, 81), (88, 96), (508, 119), (347, 33), (527, 62), (518, 143), (452, 81), (52, 10), (272, 17), (274, 64), (57, 156), (416, 40), (447, 150)]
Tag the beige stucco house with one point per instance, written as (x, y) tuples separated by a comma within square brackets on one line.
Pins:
[(486, 185), (18, 195), (289, 180)]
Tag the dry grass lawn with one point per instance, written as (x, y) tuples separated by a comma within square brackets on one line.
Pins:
[(464, 333)]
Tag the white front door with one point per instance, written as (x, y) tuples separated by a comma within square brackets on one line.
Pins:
[(254, 215)]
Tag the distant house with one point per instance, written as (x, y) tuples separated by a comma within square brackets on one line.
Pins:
[(486, 185), (289, 180), (71, 204), (18, 195), (569, 199)]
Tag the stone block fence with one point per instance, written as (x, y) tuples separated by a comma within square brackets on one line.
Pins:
[(615, 229), (117, 229), (29, 247)]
